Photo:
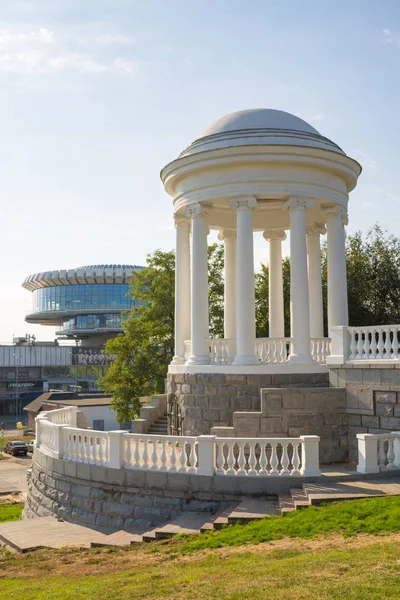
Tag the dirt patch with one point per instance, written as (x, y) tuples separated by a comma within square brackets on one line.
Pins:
[(101, 561), (13, 498)]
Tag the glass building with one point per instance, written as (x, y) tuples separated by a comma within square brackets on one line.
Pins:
[(84, 303)]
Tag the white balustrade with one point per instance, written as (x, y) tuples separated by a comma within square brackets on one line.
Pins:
[(374, 343), (274, 457), (62, 416), (273, 350), (175, 454), (268, 350), (203, 455), (378, 452)]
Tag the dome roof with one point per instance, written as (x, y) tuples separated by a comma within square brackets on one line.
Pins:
[(259, 127), (258, 118)]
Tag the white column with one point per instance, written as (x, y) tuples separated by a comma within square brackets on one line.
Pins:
[(337, 279), (315, 280), (245, 301), (299, 302), (229, 239), (275, 287), (199, 287), (182, 288)]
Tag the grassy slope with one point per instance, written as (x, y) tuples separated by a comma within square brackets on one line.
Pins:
[(10, 512), (311, 566)]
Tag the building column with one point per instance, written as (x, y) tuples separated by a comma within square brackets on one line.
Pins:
[(338, 314), (229, 239), (245, 300), (299, 301), (199, 287), (182, 288), (275, 287), (315, 279)]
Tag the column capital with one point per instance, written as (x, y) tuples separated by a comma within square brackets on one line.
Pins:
[(196, 210), (316, 229), (244, 202), (295, 203), (226, 234), (181, 221), (274, 234), (336, 211)]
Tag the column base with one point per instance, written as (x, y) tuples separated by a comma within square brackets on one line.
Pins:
[(300, 359), (200, 359), (178, 360), (247, 359)]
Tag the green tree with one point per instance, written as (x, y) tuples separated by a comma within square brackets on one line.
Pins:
[(145, 349), (216, 289)]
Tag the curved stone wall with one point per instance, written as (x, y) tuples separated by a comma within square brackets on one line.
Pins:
[(111, 499)]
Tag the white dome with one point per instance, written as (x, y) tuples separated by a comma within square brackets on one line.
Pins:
[(259, 127), (258, 118)]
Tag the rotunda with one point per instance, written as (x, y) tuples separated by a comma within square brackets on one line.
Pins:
[(269, 171)]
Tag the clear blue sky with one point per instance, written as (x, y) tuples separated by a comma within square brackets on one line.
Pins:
[(96, 96)]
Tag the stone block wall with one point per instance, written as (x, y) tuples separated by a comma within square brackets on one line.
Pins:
[(209, 399), (372, 398), (300, 411)]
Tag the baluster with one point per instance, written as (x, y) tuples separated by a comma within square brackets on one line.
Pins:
[(154, 455), (381, 346), (86, 449), (220, 459), (367, 345), (360, 345), (313, 349), (67, 450), (241, 460), (295, 459), (284, 460), (273, 460), (145, 455), (353, 344), (252, 460), (172, 459), (79, 448), (106, 454), (230, 460), (128, 451), (136, 453), (382, 455), (192, 457), (395, 343), (92, 459), (99, 451), (390, 455), (182, 457), (262, 461), (373, 345), (388, 344), (163, 457)]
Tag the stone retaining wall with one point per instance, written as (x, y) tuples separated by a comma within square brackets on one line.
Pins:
[(209, 399), (372, 398), (112, 499)]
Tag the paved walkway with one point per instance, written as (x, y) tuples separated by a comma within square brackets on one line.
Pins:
[(13, 474)]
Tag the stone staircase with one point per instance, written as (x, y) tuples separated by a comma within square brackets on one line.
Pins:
[(316, 493), (50, 532), (159, 427)]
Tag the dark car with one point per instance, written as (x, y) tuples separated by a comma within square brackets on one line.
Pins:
[(16, 448)]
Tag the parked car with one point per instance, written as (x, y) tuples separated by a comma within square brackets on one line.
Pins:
[(30, 445), (16, 448)]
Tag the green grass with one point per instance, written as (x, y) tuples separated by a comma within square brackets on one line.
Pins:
[(10, 512), (369, 573), (372, 515)]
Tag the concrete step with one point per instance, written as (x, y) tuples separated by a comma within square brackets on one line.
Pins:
[(351, 490), (251, 509), (48, 532), (286, 503), (219, 519), (119, 538), (189, 523), (299, 497)]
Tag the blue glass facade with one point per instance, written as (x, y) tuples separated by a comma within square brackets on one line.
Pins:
[(103, 321), (84, 296)]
